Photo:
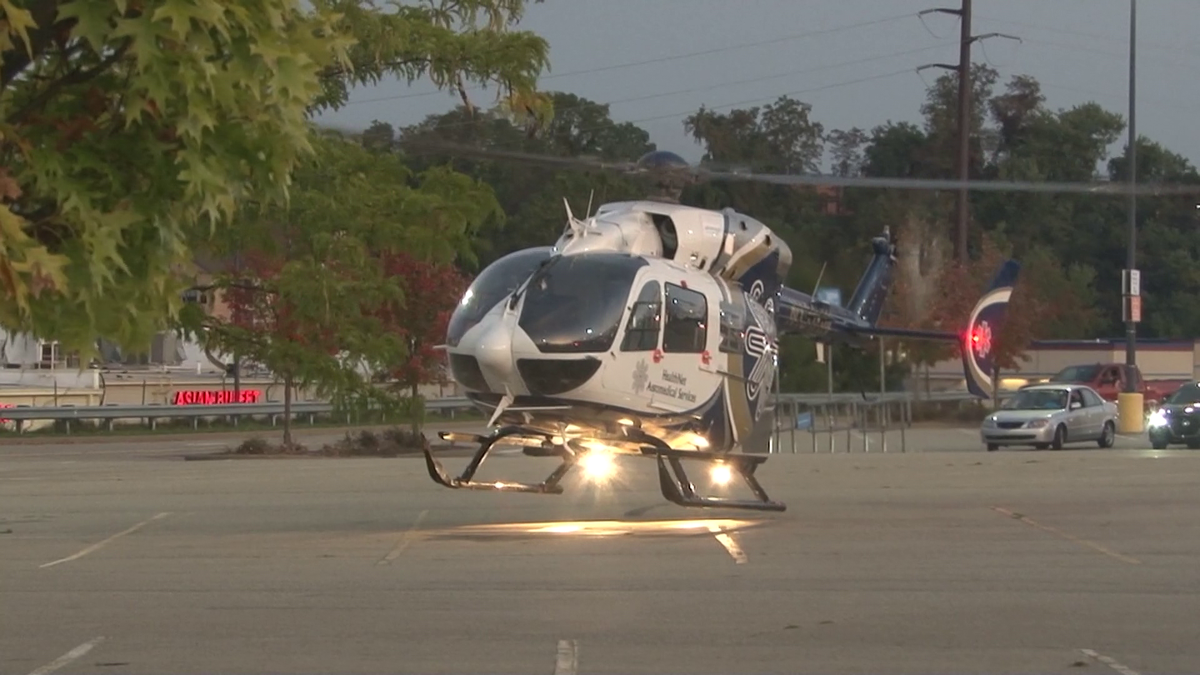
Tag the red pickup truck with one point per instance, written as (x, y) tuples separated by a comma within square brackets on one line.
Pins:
[(1108, 379)]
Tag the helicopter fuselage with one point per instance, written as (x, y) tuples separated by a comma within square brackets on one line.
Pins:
[(652, 329), (597, 345)]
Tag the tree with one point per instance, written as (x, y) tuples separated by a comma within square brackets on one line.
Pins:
[(379, 136), (128, 130), (131, 130), (1048, 301), (452, 42), (846, 147), (308, 302), (419, 318), (531, 195), (780, 137)]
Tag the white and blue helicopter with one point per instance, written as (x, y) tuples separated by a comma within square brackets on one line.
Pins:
[(651, 329)]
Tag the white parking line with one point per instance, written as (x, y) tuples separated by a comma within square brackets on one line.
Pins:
[(98, 545), (68, 657), (739, 556), (1108, 661), (405, 540), (567, 660)]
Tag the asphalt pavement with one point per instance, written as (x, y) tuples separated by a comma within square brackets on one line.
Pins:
[(124, 558)]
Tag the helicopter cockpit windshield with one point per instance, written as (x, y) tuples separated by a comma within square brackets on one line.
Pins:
[(575, 304), (492, 285)]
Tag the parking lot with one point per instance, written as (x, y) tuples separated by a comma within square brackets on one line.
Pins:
[(124, 558)]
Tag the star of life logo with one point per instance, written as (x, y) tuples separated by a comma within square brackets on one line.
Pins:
[(982, 339), (641, 375)]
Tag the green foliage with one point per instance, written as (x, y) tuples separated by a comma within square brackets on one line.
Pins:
[(531, 196), (779, 138), (134, 131), (307, 284), (452, 42), (129, 130)]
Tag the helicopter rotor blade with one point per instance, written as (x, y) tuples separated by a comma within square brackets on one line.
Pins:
[(704, 174), (579, 162)]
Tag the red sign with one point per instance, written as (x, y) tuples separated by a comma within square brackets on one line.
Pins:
[(6, 405), (215, 397), (1134, 310)]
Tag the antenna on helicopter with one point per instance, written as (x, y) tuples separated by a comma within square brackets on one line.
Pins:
[(817, 285), (588, 213), (575, 224)]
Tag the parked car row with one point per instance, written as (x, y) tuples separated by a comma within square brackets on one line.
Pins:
[(1053, 414)]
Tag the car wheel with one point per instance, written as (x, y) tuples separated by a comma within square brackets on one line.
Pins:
[(1107, 437), (1193, 445), (1041, 446), (1060, 437), (992, 447), (1157, 444)]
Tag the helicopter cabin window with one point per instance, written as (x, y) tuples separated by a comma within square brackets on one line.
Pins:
[(645, 321), (667, 233), (732, 318), (686, 331)]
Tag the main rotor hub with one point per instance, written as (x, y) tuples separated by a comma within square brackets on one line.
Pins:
[(668, 172)]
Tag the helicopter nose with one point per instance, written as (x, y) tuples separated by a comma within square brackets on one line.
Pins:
[(495, 352)]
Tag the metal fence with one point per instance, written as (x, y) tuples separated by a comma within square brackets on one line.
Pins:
[(845, 424)]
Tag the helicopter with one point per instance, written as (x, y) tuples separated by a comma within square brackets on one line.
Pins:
[(651, 329)]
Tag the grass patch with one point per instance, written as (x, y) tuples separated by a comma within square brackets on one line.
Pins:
[(393, 442)]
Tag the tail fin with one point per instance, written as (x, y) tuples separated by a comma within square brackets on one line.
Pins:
[(987, 318), (868, 298)]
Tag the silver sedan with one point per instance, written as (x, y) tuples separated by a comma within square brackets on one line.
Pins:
[(1051, 415)]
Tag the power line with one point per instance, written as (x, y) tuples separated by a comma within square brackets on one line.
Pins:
[(727, 83), (665, 59), (723, 106), (964, 111)]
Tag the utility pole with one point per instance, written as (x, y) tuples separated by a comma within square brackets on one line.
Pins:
[(963, 164), (1130, 403), (1132, 284)]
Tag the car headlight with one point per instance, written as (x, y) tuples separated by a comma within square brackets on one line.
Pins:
[(1158, 418), (1037, 424), (989, 421)]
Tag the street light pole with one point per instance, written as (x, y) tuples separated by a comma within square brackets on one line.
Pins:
[(1130, 402)]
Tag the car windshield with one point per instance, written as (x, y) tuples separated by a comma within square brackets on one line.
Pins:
[(1077, 374), (492, 285), (1038, 399), (575, 304), (1188, 393)]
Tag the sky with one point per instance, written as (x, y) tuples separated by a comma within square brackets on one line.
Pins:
[(854, 61)]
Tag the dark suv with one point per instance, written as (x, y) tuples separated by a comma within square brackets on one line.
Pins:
[(1178, 419)]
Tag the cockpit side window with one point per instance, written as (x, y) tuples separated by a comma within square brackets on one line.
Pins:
[(645, 321), (492, 285), (686, 331)]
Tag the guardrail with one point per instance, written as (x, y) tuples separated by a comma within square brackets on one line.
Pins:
[(152, 413)]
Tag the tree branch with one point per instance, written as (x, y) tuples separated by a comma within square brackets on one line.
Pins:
[(76, 77), (18, 59)]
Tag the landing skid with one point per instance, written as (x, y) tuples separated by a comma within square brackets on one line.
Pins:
[(463, 482), (677, 488)]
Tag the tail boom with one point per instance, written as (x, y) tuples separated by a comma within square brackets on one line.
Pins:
[(798, 313)]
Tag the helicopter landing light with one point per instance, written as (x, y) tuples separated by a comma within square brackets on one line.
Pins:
[(598, 466), (721, 474)]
